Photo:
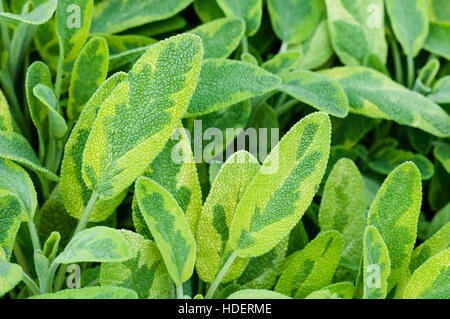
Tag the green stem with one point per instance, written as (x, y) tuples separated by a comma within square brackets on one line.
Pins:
[(34, 235), (51, 277), (244, 43), (212, 289), (180, 294), (285, 107), (59, 76), (31, 284), (60, 278), (4, 30), (411, 71), (283, 47), (87, 212), (20, 257), (45, 187), (397, 61)]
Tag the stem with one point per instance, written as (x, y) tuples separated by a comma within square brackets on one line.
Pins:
[(45, 187), (59, 75), (20, 257), (283, 47), (4, 30), (212, 289), (51, 277), (180, 294), (285, 107), (60, 278), (34, 235), (31, 284), (87, 211), (244, 43), (397, 61), (411, 71)]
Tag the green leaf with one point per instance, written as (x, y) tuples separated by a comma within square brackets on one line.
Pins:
[(257, 294), (207, 10), (432, 279), (340, 290), (51, 245), (437, 243), (249, 10), (426, 76), (226, 82), (38, 15), (41, 264), (441, 152), (89, 72), (169, 227), (75, 192), (15, 147), (441, 91), (409, 20), (440, 219), (343, 208), (144, 272), (372, 94), (11, 216), (115, 16), (439, 10), (6, 120), (288, 179), (357, 30), (294, 21), (321, 92), (386, 160), (136, 120), (218, 210), (97, 244), (10, 276), (395, 212), (438, 41), (282, 62), (376, 265), (175, 170), (73, 20), (313, 267), (220, 37), (104, 292)]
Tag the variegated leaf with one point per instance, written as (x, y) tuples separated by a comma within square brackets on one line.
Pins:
[(376, 265), (249, 10), (283, 62), (169, 227), (372, 94), (441, 91), (220, 37), (96, 244), (104, 292), (213, 228), (313, 267), (257, 294), (10, 276), (438, 10), (395, 212), (440, 219), (89, 72), (136, 120), (226, 82), (340, 290), (283, 189), (438, 41), (39, 15), (6, 120)]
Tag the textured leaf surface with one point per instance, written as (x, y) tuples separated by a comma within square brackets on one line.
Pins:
[(226, 82), (340, 290), (357, 29), (136, 120), (104, 292), (257, 294), (372, 94), (439, 220), (214, 224), (74, 190), (438, 10), (343, 208), (97, 244), (395, 212), (38, 15), (438, 41), (376, 266), (144, 272), (249, 10), (89, 72), (432, 279), (10, 276), (283, 189), (321, 92), (294, 20), (313, 267), (114, 16), (441, 91), (6, 120), (282, 62), (409, 21), (169, 227), (220, 37)]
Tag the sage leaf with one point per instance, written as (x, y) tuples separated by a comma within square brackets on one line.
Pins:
[(250, 11), (282, 62), (340, 290), (257, 294), (10, 276), (438, 41), (441, 91), (6, 120), (39, 15), (104, 292)]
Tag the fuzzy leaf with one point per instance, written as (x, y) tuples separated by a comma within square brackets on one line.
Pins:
[(89, 72), (104, 292), (169, 227), (313, 267), (136, 120), (257, 294), (438, 41), (226, 82), (357, 30), (282, 62), (441, 91), (97, 244), (321, 92), (220, 37), (372, 94), (10, 276), (432, 279), (376, 266), (294, 21), (442, 152), (249, 10), (282, 190), (144, 272), (38, 15), (11, 216), (440, 219), (343, 208), (217, 213), (114, 16), (439, 10), (340, 290), (207, 10), (395, 212), (6, 120)]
